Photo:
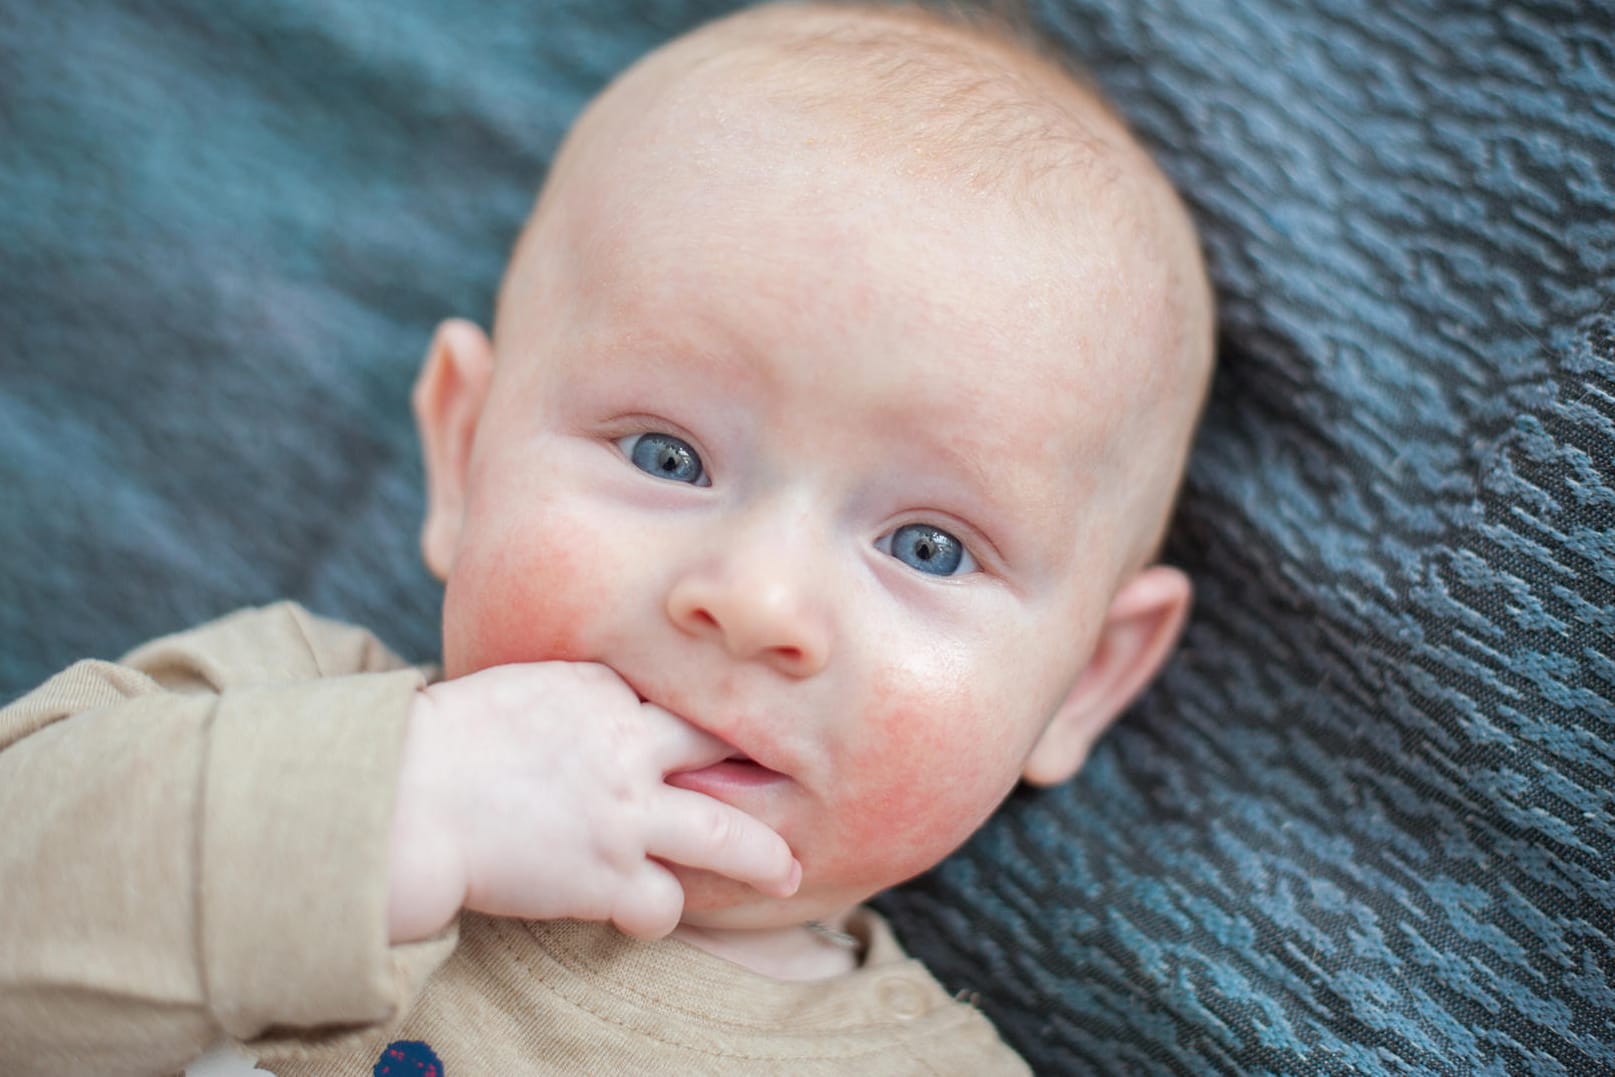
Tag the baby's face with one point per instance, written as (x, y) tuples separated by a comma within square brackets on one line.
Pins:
[(833, 463)]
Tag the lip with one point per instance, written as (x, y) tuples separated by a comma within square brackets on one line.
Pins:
[(728, 775), (739, 770)]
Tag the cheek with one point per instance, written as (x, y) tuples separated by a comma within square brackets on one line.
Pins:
[(527, 599), (927, 771)]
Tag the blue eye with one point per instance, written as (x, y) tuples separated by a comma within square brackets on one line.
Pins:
[(664, 456), (929, 549)]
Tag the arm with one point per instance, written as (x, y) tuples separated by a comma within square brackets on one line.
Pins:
[(171, 826), (207, 839)]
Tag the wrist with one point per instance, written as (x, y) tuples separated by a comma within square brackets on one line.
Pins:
[(426, 883)]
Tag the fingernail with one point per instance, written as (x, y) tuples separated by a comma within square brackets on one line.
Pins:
[(795, 881)]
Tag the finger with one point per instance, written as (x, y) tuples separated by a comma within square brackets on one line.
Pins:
[(699, 832), (650, 905), (681, 746)]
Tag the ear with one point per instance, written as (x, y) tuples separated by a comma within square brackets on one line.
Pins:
[(1141, 626), (448, 399)]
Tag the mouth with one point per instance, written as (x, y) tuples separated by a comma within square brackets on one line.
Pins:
[(738, 771), (735, 771), (740, 762)]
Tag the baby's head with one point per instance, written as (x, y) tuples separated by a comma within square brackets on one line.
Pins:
[(840, 388)]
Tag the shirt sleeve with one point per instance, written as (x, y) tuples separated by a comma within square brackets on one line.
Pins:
[(195, 844)]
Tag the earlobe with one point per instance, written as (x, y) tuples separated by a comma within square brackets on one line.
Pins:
[(1141, 626), (448, 399)]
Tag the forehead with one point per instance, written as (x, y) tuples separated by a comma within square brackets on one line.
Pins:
[(748, 232), (870, 302)]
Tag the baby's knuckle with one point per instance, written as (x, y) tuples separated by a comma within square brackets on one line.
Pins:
[(718, 827), (625, 741), (620, 791), (615, 846)]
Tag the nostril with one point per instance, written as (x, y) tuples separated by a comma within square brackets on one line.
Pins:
[(752, 619)]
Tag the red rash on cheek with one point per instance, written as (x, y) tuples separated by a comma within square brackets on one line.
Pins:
[(518, 605), (918, 786)]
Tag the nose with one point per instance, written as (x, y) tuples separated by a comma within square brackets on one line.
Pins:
[(757, 599)]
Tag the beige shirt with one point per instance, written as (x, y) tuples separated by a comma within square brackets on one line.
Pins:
[(195, 848)]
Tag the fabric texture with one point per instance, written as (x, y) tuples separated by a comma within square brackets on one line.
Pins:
[(241, 892), (568, 998), (1364, 823), (167, 815)]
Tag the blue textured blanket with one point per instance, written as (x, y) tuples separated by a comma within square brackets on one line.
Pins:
[(1365, 823)]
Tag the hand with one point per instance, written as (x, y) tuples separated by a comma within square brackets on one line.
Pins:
[(537, 791)]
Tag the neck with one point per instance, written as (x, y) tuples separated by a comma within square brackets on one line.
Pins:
[(797, 952)]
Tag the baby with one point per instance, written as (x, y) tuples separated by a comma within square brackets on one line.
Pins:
[(803, 502)]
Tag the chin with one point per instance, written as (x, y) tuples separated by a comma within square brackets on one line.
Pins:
[(712, 901)]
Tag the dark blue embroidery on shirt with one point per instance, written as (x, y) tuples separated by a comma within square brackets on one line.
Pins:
[(407, 1058)]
